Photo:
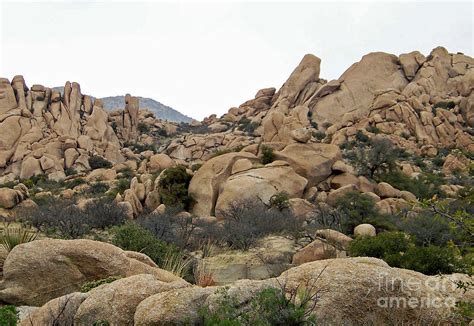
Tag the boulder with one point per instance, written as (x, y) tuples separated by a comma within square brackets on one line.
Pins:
[(9, 198), (205, 184), (316, 250), (365, 230), (159, 162), (116, 302), (39, 271), (58, 311), (385, 190), (30, 167), (259, 184), (312, 161)]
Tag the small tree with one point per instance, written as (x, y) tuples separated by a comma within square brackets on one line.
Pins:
[(374, 157), (267, 155), (173, 187)]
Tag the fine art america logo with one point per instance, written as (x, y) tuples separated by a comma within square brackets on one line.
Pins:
[(400, 293)]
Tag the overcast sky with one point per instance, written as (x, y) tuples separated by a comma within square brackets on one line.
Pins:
[(203, 58)]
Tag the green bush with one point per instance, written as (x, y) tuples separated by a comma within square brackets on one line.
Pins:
[(445, 105), (133, 237), (373, 157), (269, 306), (280, 200), (432, 260), (86, 287), (173, 187), (8, 316), (428, 229), (97, 162), (143, 128), (356, 208), (398, 250), (245, 124), (373, 129), (267, 155), (424, 187), (319, 135), (98, 188), (74, 183), (70, 171), (388, 246)]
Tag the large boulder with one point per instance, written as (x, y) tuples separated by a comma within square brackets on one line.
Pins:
[(358, 85), (312, 161), (159, 162), (205, 184), (9, 198), (344, 291), (259, 184), (116, 302), (39, 271)]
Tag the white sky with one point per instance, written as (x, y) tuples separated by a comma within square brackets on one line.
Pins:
[(203, 58)]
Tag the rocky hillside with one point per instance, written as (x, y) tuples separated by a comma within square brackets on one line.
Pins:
[(274, 194)]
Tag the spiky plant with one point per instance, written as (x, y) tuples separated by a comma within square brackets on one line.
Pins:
[(177, 263), (13, 236)]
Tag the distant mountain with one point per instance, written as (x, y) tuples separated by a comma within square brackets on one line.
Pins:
[(160, 110)]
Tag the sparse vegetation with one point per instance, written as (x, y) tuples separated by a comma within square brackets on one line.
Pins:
[(13, 236), (98, 162), (267, 155), (173, 187), (8, 316), (86, 287)]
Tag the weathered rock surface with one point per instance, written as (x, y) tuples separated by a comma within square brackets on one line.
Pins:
[(64, 266)]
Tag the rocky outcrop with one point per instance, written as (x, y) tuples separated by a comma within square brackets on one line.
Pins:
[(64, 266), (41, 129)]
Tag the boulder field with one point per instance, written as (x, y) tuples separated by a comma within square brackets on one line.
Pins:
[(47, 273)]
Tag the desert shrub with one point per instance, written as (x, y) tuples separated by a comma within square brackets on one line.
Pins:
[(132, 236), (62, 218), (177, 263), (42, 182), (121, 185), (139, 148), (126, 173), (184, 127), (170, 227), (97, 162), (143, 128), (70, 171), (280, 200), (103, 213), (373, 129), (428, 229), (173, 187), (223, 151), (432, 260), (356, 208), (319, 135), (74, 183), (245, 124), (8, 316), (388, 246), (196, 166), (13, 236), (361, 137), (98, 188), (58, 218), (398, 250), (267, 155), (424, 187), (374, 157), (247, 221), (445, 105), (86, 287), (270, 306)]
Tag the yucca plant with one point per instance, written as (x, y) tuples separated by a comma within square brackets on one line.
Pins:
[(13, 236), (177, 263)]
